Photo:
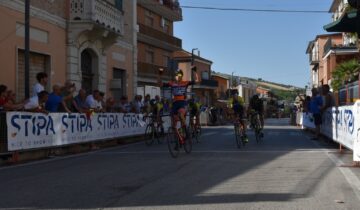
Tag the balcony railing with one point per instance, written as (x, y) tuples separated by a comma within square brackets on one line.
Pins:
[(209, 83), (169, 9), (97, 11), (330, 46), (151, 70), (314, 58), (146, 30)]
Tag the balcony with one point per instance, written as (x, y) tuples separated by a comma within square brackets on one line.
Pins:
[(314, 58), (152, 71), (154, 36), (166, 8), (99, 12), (207, 84), (340, 48)]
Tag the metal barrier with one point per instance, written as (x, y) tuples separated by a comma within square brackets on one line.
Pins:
[(3, 133)]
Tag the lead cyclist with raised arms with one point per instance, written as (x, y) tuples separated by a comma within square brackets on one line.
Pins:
[(178, 89)]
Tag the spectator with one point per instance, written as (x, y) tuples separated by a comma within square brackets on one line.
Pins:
[(37, 103), (93, 101), (42, 79), (103, 103), (137, 104), (146, 108), (125, 107), (55, 100), (6, 103), (68, 96), (79, 102), (316, 104), (11, 102), (306, 104), (110, 104), (3, 99), (328, 98)]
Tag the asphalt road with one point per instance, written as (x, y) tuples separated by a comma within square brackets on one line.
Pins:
[(285, 171)]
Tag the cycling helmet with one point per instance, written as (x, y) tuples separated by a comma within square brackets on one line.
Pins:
[(179, 72)]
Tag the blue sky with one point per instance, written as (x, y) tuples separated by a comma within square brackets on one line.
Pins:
[(270, 46)]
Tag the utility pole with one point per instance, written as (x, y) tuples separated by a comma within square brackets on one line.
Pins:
[(27, 49), (191, 70)]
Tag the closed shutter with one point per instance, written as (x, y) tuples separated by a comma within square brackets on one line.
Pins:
[(37, 64)]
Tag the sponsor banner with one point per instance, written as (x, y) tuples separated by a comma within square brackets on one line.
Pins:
[(342, 124), (36, 130)]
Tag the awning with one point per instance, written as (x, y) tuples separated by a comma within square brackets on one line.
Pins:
[(347, 23)]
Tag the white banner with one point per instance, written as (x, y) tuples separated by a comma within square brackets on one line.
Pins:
[(36, 130), (342, 124)]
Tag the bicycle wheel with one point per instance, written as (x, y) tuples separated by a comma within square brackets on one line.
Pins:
[(149, 135), (188, 141), (237, 135), (173, 143), (257, 131), (160, 133)]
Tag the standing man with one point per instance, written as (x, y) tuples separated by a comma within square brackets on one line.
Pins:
[(316, 104), (42, 79)]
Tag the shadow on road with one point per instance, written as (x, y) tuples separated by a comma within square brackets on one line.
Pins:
[(139, 176)]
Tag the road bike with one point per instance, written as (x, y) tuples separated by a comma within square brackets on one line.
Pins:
[(178, 138), (239, 134), (195, 129), (256, 125), (154, 130)]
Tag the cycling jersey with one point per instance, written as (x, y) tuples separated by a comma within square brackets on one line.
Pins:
[(179, 89)]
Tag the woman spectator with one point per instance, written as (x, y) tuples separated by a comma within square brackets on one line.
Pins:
[(11, 102), (6, 103)]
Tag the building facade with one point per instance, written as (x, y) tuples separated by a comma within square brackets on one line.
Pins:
[(223, 86), (156, 42), (204, 91), (89, 42)]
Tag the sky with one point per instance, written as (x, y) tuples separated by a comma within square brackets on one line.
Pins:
[(271, 46)]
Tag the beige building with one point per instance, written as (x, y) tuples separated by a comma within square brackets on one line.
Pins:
[(89, 42)]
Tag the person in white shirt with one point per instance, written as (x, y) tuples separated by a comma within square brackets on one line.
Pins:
[(94, 101), (42, 79), (37, 103)]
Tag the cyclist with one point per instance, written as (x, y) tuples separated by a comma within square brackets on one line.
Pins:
[(194, 109), (178, 89), (256, 107), (236, 103), (157, 109)]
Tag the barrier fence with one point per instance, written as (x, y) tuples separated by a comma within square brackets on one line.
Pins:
[(3, 133), (341, 124)]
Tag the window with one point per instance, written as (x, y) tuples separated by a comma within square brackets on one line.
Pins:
[(150, 56), (119, 4), (166, 60), (149, 18), (165, 24), (205, 75), (87, 71), (119, 83)]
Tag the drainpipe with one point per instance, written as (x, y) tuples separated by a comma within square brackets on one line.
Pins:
[(27, 49)]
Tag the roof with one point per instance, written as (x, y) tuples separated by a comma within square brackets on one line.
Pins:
[(334, 6), (184, 55), (220, 75)]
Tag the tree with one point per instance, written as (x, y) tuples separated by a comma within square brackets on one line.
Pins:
[(347, 71)]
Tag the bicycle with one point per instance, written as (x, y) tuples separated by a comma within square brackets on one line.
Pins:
[(256, 125), (239, 134), (177, 138), (195, 129), (153, 130)]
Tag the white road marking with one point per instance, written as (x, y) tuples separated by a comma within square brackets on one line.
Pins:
[(209, 133), (350, 177)]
